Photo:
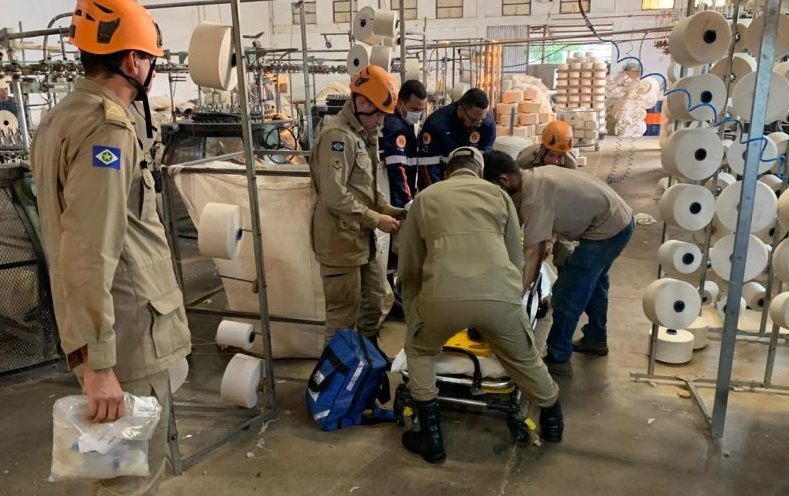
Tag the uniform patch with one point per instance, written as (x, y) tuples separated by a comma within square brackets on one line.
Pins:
[(426, 138), (338, 146), (106, 157), (113, 109), (400, 141), (474, 137)]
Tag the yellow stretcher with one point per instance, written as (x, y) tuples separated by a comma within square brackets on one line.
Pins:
[(472, 389)]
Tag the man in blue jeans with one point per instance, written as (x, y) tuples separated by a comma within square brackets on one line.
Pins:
[(554, 201)]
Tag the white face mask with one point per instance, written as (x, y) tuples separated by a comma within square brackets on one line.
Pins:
[(413, 117)]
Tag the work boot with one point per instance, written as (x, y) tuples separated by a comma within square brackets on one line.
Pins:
[(583, 345), (427, 441), (518, 425), (558, 369), (552, 423)]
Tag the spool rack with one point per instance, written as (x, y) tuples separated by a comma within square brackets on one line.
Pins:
[(730, 333)]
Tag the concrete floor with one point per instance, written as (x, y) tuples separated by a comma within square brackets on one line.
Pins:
[(622, 437)]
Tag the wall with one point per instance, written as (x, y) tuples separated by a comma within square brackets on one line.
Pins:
[(177, 25)]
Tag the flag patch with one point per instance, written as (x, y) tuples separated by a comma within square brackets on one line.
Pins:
[(106, 157), (338, 146)]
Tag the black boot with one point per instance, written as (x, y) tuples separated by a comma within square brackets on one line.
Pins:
[(552, 423), (427, 441), (518, 427)]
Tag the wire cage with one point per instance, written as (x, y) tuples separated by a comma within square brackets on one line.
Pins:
[(28, 333)]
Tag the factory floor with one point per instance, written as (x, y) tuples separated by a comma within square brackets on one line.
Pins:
[(622, 437)]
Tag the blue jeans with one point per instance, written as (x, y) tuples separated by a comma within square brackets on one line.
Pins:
[(582, 286)]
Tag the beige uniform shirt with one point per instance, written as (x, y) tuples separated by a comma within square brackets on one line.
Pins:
[(348, 203), (571, 204), (461, 242), (112, 278), (531, 157)]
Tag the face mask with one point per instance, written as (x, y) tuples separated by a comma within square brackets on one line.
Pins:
[(413, 117)]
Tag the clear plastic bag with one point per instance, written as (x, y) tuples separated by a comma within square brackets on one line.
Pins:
[(84, 450)]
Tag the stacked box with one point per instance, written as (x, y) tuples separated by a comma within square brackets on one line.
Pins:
[(524, 109), (581, 83), (585, 124), (530, 116)]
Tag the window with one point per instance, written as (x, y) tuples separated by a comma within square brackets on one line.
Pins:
[(409, 7), (657, 4), (515, 7), (342, 10), (309, 13), (449, 9), (710, 4), (571, 6)]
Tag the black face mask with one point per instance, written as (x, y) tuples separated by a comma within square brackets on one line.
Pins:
[(142, 94)]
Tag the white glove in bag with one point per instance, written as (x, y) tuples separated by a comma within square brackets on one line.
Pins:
[(84, 450)]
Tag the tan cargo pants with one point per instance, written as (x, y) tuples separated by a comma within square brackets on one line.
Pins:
[(354, 297), (156, 385), (504, 326)]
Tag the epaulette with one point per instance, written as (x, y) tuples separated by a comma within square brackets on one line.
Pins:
[(114, 114)]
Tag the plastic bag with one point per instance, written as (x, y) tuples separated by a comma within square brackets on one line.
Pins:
[(84, 450)]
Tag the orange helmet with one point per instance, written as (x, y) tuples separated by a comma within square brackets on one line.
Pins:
[(558, 137), (374, 83), (102, 27)]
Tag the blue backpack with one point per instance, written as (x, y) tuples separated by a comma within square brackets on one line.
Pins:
[(349, 376)]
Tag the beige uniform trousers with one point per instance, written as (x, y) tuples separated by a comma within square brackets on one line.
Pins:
[(354, 297), (155, 385), (503, 325)]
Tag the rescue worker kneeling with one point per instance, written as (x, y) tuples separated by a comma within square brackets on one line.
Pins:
[(460, 266), (555, 148)]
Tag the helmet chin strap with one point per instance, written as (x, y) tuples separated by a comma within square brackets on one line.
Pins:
[(142, 95)]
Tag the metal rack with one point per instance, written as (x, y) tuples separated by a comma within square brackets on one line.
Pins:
[(730, 333), (267, 410)]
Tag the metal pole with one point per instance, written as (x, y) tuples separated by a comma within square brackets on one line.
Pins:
[(402, 41), (304, 56), (352, 8), (437, 77), (742, 234), (424, 52), (773, 348), (20, 103), (471, 70), (196, 3), (24, 57), (254, 206)]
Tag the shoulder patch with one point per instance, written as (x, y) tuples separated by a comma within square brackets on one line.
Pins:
[(426, 138), (106, 157), (400, 141), (474, 138), (338, 146)]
